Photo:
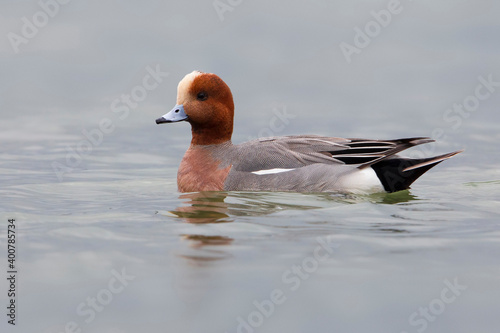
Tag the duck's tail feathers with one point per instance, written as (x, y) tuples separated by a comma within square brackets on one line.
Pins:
[(398, 173)]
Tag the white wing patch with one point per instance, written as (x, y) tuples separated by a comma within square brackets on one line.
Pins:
[(271, 171)]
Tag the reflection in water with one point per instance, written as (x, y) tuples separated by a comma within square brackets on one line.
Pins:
[(200, 240), (208, 246), (203, 207), (394, 198), (200, 249), (200, 252), (210, 207)]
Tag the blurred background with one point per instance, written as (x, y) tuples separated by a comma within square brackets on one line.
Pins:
[(90, 177), (428, 57)]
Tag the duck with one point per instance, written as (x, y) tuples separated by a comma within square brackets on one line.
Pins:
[(296, 163)]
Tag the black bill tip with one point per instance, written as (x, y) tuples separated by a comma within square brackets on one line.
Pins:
[(162, 120)]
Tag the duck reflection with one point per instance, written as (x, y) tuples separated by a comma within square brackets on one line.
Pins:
[(210, 207), (203, 207), (197, 241), (400, 197)]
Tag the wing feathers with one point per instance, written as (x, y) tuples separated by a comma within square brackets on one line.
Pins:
[(301, 150), (433, 160)]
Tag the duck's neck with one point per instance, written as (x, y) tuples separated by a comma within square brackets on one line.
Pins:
[(203, 168), (204, 136)]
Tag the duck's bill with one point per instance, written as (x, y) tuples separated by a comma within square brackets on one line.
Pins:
[(175, 115)]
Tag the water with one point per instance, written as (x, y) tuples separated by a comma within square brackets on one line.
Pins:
[(200, 262), (105, 243)]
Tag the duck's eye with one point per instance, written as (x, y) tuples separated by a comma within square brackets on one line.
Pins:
[(202, 96)]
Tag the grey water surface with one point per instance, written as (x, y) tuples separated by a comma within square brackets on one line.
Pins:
[(106, 244)]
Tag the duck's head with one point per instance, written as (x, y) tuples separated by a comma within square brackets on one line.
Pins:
[(206, 102)]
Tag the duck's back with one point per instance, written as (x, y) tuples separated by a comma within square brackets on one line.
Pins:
[(309, 163), (304, 163)]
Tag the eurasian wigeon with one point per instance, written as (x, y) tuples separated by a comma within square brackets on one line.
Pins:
[(302, 163)]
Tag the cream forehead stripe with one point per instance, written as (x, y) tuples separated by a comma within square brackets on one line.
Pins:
[(183, 87)]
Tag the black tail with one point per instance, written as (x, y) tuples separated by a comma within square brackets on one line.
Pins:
[(398, 173)]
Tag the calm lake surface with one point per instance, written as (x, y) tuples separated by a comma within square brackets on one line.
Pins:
[(105, 243)]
